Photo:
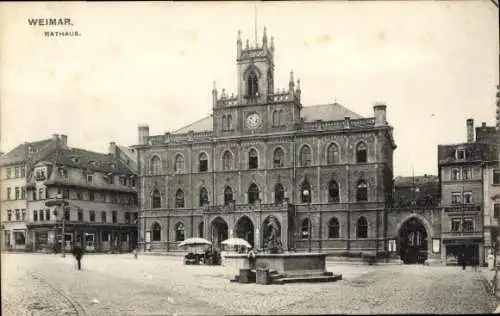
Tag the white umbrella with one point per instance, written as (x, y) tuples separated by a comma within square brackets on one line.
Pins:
[(236, 242), (195, 241)]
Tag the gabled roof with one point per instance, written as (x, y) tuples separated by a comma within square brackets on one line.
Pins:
[(85, 159), (325, 112), (20, 153)]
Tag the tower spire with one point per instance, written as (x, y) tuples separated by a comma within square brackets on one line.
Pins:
[(255, 24)]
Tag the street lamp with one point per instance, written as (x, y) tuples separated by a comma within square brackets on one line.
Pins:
[(308, 199)]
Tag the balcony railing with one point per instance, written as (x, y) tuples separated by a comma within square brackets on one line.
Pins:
[(463, 208), (462, 234)]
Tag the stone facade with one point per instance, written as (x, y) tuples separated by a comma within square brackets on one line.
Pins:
[(254, 158)]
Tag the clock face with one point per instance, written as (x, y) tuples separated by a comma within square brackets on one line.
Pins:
[(253, 120)]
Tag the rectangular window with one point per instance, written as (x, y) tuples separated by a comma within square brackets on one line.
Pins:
[(8, 193), (80, 215), (23, 193), (66, 193), (17, 193), (467, 174), (40, 216), (91, 196), (41, 194), (35, 215), (455, 224), (460, 154), (136, 217), (9, 215), (9, 173), (456, 198), (23, 172), (92, 216), (16, 172), (468, 225), (127, 217), (34, 195), (133, 183), (114, 217), (496, 177), (103, 217), (18, 215), (455, 174), (66, 215), (23, 214), (47, 215), (467, 197), (79, 196), (496, 210), (89, 178)]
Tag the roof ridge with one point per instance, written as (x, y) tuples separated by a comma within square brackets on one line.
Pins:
[(192, 123)]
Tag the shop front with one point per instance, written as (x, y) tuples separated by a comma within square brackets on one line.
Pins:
[(458, 251)]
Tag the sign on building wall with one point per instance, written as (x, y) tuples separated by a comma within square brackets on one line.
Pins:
[(436, 245), (392, 245)]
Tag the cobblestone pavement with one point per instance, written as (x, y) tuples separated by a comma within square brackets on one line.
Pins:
[(121, 285)]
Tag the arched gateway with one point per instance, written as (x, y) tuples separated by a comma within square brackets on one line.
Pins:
[(219, 232), (413, 241), (245, 229)]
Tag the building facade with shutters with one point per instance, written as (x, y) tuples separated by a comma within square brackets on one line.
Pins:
[(323, 172)]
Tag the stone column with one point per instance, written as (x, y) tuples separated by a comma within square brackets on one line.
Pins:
[(284, 232), (257, 238)]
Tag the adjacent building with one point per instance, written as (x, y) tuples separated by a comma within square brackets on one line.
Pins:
[(13, 200), (100, 191), (466, 172)]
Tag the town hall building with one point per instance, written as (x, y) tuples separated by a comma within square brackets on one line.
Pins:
[(322, 172)]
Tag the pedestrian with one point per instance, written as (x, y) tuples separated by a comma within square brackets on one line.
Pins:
[(78, 254), (462, 258), (135, 253)]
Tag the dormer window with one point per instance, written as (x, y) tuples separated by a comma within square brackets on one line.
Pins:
[(75, 159), (460, 154), (92, 163)]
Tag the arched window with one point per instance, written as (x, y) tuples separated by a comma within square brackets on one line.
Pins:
[(203, 196), (179, 232), (333, 192), (179, 198), (203, 162), (253, 159), (361, 152), (362, 228), (252, 85), (305, 192), (156, 199), (229, 122), (224, 123), (179, 163), (333, 228), (304, 228), (156, 232), (332, 154), (155, 165), (200, 230), (362, 191), (305, 156), (228, 195), (253, 193), (227, 160), (279, 193), (278, 158)]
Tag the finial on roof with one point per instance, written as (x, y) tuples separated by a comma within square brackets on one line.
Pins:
[(247, 45), (272, 43), (298, 84), (239, 36)]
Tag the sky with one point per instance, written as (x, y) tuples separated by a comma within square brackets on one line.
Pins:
[(434, 63)]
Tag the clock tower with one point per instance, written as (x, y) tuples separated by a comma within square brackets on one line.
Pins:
[(256, 107)]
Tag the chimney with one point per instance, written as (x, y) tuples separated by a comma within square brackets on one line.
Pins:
[(112, 148), (143, 134), (380, 113), (64, 139), (470, 130), (55, 137)]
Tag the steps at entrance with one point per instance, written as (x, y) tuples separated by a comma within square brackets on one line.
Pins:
[(308, 279)]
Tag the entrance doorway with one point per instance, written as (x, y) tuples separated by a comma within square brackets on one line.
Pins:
[(413, 242), (219, 232), (245, 230)]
